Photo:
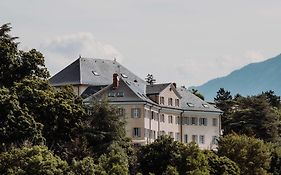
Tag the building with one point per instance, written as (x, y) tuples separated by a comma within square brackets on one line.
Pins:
[(150, 110)]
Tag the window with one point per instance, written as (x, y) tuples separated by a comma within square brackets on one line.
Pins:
[(121, 111), (178, 120), (162, 101), (154, 134), (171, 134), (111, 94), (194, 120), (202, 139), (177, 136), (120, 94), (185, 138), (190, 104), (152, 115), (215, 140), (177, 102), (124, 76), (195, 138), (146, 132), (136, 132), (95, 73), (185, 121), (215, 122), (170, 119), (170, 102), (203, 121), (136, 112), (162, 118), (205, 105)]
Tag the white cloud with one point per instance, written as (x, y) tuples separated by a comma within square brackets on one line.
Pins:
[(62, 50)]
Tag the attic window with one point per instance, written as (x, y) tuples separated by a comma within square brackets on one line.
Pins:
[(205, 105), (124, 76), (95, 73), (111, 94), (120, 94), (190, 104)]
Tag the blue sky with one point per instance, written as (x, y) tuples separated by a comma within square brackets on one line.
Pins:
[(183, 41)]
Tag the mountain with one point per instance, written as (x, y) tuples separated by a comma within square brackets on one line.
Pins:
[(251, 79)]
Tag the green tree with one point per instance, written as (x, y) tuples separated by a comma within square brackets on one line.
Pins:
[(164, 152), (224, 102), (250, 154), (221, 165), (197, 93), (86, 166), (115, 161), (103, 126), (271, 98), (254, 116), (34, 160), (16, 64), (16, 123)]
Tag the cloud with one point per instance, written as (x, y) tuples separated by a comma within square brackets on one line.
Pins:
[(62, 50)]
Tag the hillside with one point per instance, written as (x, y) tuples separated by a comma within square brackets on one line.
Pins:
[(249, 80)]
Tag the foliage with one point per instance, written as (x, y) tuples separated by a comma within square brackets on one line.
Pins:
[(221, 165), (34, 160), (103, 126), (86, 166), (254, 116), (171, 171), (197, 93), (16, 123), (224, 102), (16, 64), (275, 164), (115, 161), (251, 155), (150, 79), (164, 152)]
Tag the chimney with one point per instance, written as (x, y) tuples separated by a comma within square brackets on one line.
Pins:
[(115, 81), (175, 85)]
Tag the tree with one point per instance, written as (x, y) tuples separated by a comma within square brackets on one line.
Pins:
[(150, 79), (221, 165), (164, 152), (250, 154), (31, 160), (254, 116), (114, 161), (271, 98), (16, 123), (103, 126), (224, 102), (16, 64), (197, 93)]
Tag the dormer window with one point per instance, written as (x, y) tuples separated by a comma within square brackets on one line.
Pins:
[(162, 101), (120, 94), (95, 73), (205, 105), (111, 94), (190, 104), (124, 76)]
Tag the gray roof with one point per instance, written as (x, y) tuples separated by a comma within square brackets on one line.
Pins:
[(132, 90), (156, 88), (195, 103), (89, 71)]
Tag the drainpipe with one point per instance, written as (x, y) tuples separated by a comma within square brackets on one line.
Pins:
[(181, 116), (159, 110)]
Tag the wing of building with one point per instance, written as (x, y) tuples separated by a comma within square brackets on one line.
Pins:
[(150, 110)]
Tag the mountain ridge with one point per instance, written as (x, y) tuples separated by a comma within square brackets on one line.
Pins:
[(250, 79)]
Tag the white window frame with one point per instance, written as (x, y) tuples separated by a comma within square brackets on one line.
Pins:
[(136, 132), (136, 113)]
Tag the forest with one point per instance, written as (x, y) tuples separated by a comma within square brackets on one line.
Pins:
[(46, 131)]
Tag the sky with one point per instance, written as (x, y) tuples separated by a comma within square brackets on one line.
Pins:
[(184, 41)]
